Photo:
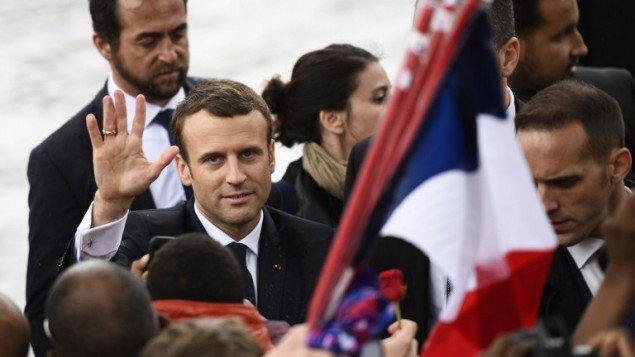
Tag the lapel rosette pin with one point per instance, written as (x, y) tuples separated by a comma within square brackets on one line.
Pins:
[(391, 284)]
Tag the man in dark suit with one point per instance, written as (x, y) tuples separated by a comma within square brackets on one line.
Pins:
[(551, 48), (146, 45), (572, 135), (223, 131)]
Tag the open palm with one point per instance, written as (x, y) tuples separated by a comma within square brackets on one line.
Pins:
[(122, 170)]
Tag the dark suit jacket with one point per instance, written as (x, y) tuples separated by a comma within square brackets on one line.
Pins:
[(62, 186), (297, 246), (566, 294), (607, 28)]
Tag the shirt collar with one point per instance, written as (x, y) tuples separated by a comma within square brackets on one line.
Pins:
[(151, 109), (251, 240), (511, 108), (583, 251)]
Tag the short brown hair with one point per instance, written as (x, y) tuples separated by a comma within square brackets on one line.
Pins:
[(219, 97), (224, 337), (572, 101)]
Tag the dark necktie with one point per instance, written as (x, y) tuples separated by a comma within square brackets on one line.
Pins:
[(602, 258), (164, 118), (240, 252)]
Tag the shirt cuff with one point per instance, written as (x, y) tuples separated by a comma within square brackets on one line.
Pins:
[(98, 242)]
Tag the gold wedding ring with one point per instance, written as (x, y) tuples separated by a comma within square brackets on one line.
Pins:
[(109, 132)]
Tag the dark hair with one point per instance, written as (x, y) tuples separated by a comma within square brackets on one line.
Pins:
[(219, 337), (14, 329), (320, 80), (500, 15), (572, 101), (97, 308), (106, 20), (197, 268), (526, 16), (219, 97)]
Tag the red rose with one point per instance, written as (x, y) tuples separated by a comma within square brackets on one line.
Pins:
[(391, 284)]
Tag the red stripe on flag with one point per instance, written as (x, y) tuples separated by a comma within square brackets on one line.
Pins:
[(501, 306)]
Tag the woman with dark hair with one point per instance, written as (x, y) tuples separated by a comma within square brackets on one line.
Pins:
[(334, 99)]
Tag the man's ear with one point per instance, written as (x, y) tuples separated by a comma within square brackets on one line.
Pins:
[(183, 170), (508, 56), (620, 164), (103, 46), (272, 156), (333, 121)]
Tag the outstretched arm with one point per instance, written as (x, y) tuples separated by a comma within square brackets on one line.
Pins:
[(122, 170)]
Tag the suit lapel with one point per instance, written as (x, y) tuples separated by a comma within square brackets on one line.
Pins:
[(272, 265), (191, 221), (565, 293)]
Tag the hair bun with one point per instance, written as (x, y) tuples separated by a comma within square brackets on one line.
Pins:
[(274, 95)]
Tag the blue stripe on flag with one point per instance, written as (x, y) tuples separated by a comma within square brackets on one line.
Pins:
[(448, 135)]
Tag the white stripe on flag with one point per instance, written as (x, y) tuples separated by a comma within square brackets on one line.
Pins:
[(463, 220)]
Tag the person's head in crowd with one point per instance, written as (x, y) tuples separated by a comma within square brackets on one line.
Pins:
[(14, 329), (550, 44), (500, 14), (146, 44), (223, 131), (572, 135), (335, 98), (97, 308), (194, 276), (197, 268), (219, 337)]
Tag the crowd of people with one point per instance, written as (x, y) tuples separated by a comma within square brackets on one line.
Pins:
[(158, 153)]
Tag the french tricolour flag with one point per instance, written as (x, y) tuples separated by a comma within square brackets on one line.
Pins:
[(453, 182)]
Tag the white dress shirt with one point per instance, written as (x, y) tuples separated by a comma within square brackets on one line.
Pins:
[(586, 258), (511, 108)]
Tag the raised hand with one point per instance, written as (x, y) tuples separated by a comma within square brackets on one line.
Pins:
[(122, 170)]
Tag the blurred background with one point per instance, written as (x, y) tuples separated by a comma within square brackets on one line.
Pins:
[(50, 69)]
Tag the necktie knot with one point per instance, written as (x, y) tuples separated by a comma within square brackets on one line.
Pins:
[(239, 250)]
